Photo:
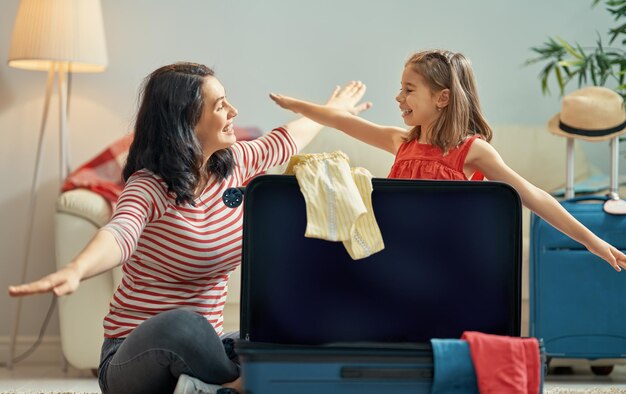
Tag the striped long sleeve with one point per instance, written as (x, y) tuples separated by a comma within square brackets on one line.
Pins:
[(181, 256)]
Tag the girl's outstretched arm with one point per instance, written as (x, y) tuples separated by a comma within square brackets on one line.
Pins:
[(484, 158), (345, 98), (384, 137)]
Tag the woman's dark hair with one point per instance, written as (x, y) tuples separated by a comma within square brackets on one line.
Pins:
[(165, 140)]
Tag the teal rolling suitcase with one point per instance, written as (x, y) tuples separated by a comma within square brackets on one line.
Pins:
[(577, 300)]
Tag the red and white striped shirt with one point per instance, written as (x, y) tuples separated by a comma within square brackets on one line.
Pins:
[(181, 256)]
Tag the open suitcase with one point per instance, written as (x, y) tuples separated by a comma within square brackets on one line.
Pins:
[(315, 321), (577, 302)]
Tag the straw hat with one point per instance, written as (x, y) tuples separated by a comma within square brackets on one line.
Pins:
[(593, 113)]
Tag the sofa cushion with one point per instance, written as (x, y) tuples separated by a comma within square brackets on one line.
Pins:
[(86, 204)]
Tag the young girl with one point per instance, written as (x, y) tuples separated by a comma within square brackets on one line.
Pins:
[(448, 138), (177, 240)]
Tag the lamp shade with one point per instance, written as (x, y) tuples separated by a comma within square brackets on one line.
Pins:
[(48, 31)]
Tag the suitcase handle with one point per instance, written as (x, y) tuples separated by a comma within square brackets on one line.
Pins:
[(569, 177), (612, 204), (586, 198), (386, 373)]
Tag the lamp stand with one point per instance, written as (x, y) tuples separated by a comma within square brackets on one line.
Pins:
[(60, 70)]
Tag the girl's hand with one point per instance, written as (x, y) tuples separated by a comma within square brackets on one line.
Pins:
[(64, 281), (344, 98), (285, 102), (609, 253), (348, 97)]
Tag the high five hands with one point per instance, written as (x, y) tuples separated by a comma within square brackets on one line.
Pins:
[(345, 98)]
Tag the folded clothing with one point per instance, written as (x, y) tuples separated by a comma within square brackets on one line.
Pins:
[(454, 370), (505, 364), (338, 201)]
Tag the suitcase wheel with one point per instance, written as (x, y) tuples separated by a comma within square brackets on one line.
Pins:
[(601, 370)]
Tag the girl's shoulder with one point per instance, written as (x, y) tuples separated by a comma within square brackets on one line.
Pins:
[(479, 149), (475, 140), (470, 140)]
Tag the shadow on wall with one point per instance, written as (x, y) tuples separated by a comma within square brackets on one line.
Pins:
[(5, 93), (13, 211)]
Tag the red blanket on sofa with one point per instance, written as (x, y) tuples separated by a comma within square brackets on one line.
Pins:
[(103, 173)]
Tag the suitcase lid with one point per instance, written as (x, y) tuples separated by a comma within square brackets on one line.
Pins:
[(451, 263)]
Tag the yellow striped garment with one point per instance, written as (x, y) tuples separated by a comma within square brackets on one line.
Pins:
[(338, 201)]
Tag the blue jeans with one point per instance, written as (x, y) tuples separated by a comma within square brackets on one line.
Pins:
[(160, 349)]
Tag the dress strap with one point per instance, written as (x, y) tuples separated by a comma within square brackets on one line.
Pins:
[(462, 155)]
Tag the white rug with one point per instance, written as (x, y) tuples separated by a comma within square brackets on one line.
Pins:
[(46, 392), (597, 390), (550, 390)]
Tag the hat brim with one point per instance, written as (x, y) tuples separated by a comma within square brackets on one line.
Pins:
[(553, 127)]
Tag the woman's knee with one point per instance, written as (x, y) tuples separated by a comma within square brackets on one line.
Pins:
[(176, 330)]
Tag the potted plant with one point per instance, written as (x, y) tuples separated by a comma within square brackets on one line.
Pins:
[(600, 65)]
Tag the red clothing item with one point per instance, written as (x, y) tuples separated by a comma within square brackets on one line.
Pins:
[(505, 364), (103, 173), (424, 161)]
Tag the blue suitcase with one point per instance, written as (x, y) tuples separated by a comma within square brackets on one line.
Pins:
[(341, 368), (451, 263), (364, 368), (577, 300)]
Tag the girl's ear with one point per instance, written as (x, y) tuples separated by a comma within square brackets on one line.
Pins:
[(444, 98)]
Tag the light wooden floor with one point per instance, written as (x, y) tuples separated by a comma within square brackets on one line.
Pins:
[(46, 378), (42, 378)]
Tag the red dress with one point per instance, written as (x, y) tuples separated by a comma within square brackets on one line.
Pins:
[(424, 161)]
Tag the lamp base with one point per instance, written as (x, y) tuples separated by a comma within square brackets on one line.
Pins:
[(59, 70)]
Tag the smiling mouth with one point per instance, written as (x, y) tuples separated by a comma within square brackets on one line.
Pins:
[(228, 129), (406, 112)]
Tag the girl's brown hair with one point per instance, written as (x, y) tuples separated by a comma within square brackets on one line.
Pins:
[(462, 116)]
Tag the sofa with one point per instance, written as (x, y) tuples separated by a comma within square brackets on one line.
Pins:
[(531, 151)]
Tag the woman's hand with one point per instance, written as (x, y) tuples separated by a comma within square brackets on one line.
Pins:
[(348, 98), (64, 281), (609, 253)]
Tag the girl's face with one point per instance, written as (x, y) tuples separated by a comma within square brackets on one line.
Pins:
[(215, 128), (417, 102)]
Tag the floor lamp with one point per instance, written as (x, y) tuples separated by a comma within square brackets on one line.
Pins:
[(61, 37)]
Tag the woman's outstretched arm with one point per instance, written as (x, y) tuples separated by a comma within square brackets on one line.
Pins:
[(101, 254)]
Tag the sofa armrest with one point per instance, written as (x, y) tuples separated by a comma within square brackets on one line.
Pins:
[(86, 205), (79, 215)]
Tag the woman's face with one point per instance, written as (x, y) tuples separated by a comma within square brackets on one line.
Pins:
[(215, 129), (417, 102)]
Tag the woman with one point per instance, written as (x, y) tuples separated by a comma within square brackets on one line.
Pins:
[(176, 240)]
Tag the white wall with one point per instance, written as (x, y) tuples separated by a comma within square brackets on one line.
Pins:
[(294, 47)]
